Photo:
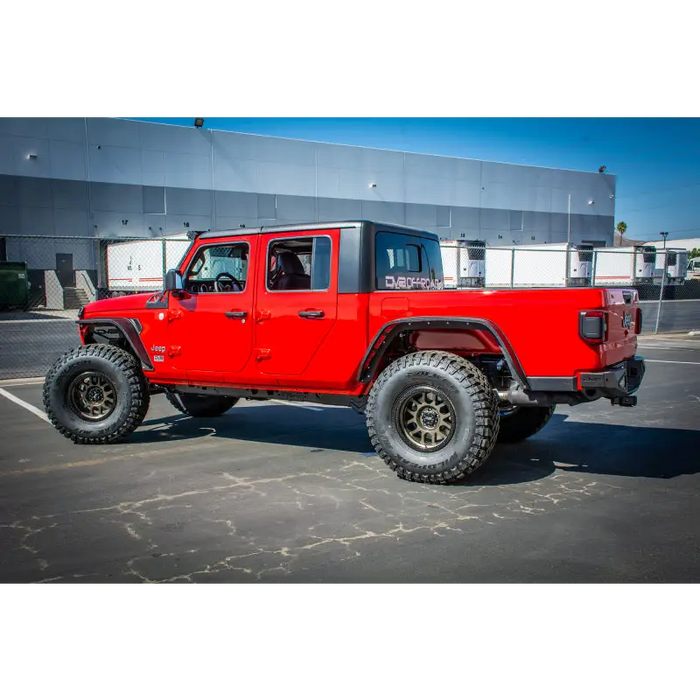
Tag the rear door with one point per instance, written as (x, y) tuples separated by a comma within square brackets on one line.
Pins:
[(297, 299)]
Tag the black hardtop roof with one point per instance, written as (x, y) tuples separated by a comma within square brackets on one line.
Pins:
[(364, 225)]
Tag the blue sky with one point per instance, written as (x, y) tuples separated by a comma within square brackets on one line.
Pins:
[(657, 161)]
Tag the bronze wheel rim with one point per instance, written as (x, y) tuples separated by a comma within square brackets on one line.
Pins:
[(425, 419), (92, 396)]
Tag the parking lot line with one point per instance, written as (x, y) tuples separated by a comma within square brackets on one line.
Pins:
[(672, 362), (296, 404), (27, 381), (24, 404)]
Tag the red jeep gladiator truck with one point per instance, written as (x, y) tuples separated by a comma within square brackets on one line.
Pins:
[(355, 314)]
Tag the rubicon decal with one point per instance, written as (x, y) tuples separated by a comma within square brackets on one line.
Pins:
[(393, 282)]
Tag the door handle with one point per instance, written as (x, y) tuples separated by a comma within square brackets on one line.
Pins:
[(237, 314), (311, 314)]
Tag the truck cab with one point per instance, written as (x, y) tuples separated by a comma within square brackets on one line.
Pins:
[(352, 314)]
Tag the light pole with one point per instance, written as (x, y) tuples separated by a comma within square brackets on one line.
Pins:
[(568, 235), (664, 235)]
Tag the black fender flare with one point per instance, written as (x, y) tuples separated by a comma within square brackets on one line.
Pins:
[(390, 330), (130, 329)]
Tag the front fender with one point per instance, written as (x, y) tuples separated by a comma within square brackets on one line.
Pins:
[(129, 329)]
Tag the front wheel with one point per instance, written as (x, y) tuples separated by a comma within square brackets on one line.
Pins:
[(432, 417), (522, 422), (96, 394)]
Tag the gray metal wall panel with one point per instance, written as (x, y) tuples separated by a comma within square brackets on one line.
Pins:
[(465, 217), (153, 168), (67, 129), (39, 254), (301, 209), (384, 212), (7, 162), (443, 217), (237, 204), (68, 160), (154, 224), (35, 192), (8, 190), (177, 139), (495, 219), (38, 167), (291, 179), (31, 127), (190, 202), (115, 164), (35, 222), (230, 223), (83, 254), (114, 132), (14, 249), (71, 222), (9, 219), (235, 175), (338, 209), (558, 223), (175, 224), (70, 194), (154, 200), (187, 170), (109, 224), (113, 197), (537, 221), (267, 206), (421, 216)]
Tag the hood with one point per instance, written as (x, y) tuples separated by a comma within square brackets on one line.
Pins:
[(117, 305)]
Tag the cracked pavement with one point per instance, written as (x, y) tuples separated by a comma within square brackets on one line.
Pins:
[(277, 493)]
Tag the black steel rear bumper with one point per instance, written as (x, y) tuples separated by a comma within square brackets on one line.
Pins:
[(618, 381)]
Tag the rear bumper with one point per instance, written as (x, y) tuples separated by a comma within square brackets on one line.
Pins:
[(620, 380)]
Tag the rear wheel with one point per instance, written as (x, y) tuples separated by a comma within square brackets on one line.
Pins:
[(96, 394), (432, 417), (522, 422), (199, 406)]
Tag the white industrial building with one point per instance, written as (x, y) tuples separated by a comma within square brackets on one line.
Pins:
[(68, 185)]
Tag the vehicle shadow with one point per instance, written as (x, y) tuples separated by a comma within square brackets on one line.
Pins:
[(565, 444)]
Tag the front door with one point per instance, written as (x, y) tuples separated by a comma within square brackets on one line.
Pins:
[(64, 269), (211, 322), (297, 300)]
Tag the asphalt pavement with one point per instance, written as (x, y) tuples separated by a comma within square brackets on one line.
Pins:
[(273, 492)]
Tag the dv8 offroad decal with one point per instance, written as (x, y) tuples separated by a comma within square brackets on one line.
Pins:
[(395, 282)]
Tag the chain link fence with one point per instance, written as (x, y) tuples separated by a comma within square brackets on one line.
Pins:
[(47, 279)]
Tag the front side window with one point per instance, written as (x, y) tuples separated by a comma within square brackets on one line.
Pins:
[(407, 262), (299, 264), (218, 268)]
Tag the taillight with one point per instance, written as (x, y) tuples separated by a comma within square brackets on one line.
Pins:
[(638, 322), (593, 325)]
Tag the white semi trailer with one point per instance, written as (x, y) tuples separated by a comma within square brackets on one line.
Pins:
[(544, 265), (463, 263), (139, 266), (630, 265), (672, 261)]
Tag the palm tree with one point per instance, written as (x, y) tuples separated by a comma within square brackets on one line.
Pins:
[(621, 228)]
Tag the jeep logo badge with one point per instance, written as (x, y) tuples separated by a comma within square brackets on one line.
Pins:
[(627, 321)]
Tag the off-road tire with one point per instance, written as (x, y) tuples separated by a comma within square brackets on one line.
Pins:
[(476, 415), (132, 394), (199, 406), (524, 423)]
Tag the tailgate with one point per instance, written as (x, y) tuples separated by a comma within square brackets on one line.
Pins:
[(624, 317)]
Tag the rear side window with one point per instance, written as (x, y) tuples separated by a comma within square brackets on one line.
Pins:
[(299, 264), (407, 262)]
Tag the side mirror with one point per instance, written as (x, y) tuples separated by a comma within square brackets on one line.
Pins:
[(173, 281)]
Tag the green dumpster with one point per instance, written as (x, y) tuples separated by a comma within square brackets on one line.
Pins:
[(14, 285)]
